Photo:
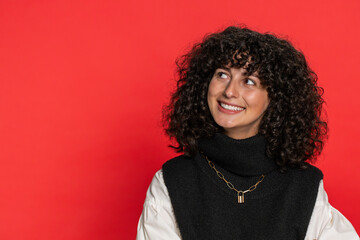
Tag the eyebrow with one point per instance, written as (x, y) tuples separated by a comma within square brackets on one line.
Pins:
[(225, 68), (254, 74)]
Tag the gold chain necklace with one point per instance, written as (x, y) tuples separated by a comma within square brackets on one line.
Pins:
[(241, 198)]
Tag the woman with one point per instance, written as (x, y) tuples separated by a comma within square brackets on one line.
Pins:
[(247, 116)]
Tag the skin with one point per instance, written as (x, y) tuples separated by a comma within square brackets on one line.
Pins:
[(232, 87)]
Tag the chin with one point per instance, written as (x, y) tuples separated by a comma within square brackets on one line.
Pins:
[(225, 125)]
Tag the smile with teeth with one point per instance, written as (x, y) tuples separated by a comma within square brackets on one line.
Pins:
[(230, 107)]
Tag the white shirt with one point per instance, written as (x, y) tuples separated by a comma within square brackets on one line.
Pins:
[(157, 220)]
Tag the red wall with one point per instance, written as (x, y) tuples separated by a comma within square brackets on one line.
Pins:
[(82, 84)]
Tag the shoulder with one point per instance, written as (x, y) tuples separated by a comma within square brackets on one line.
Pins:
[(180, 172), (313, 170), (182, 164), (310, 174), (303, 182), (178, 161)]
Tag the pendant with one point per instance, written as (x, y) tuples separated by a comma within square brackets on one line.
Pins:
[(241, 198)]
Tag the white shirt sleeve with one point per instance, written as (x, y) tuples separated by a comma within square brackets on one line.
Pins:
[(157, 220), (327, 223)]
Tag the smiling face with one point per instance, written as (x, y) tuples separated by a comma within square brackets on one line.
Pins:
[(237, 102)]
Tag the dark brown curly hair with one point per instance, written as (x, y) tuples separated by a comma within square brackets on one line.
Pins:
[(292, 124)]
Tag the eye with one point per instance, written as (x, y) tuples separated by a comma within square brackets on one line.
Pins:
[(222, 75), (249, 82)]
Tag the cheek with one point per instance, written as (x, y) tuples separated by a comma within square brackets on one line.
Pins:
[(211, 91), (215, 88), (265, 101), (212, 95), (258, 99), (210, 87)]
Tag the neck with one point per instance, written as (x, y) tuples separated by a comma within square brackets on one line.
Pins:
[(240, 135), (246, 157)]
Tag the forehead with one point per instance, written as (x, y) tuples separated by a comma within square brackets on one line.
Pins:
[(241, 60)]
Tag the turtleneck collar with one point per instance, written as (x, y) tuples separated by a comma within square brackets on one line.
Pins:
[(244, 157)]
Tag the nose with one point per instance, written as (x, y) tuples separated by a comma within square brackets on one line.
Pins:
[(231, 90)]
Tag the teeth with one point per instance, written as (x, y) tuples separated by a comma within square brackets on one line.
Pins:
[(229, 107)]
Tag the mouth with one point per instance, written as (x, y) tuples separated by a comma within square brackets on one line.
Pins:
[(230, 107)]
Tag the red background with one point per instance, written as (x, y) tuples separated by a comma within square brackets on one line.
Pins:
[(82, 84)]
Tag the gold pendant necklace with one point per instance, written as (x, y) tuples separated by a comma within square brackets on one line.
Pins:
[(240, 193)]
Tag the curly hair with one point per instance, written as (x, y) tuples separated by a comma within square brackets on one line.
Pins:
[(292, 124)]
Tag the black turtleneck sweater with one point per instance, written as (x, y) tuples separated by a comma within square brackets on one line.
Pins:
[(205, 208)]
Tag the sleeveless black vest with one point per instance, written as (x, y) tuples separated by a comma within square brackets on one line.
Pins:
[(205, 208)]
